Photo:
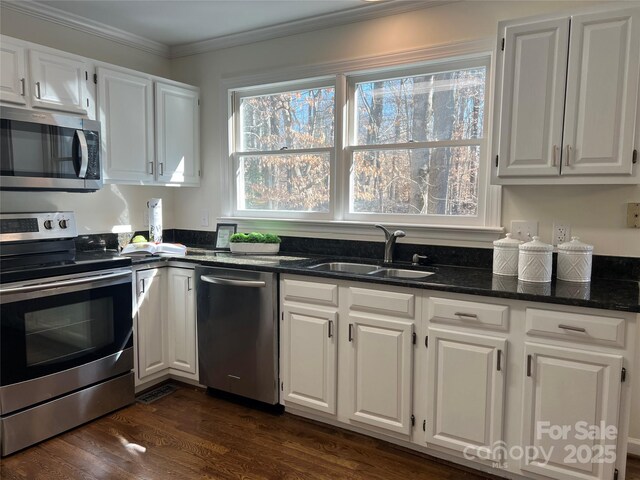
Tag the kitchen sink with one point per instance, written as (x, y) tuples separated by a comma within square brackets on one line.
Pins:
[(400, 273), (347, 267)]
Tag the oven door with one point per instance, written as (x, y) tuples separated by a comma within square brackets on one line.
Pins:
[(61, 334)]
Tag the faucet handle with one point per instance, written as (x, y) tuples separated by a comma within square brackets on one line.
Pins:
[(399, 234)]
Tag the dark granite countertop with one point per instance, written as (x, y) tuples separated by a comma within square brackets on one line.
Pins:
[(621, 295)]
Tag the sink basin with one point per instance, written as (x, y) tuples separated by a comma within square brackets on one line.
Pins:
[(400, 273), (347, 267)]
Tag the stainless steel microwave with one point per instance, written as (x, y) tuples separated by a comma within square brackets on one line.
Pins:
[(48, 151)]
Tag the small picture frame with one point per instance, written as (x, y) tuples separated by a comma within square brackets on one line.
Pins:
[(223, 234)]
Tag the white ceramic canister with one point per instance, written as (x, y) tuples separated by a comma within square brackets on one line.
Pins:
[(574, 261), (535, 261), (505, 256)]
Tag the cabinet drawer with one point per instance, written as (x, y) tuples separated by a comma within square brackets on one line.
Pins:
[(314, 292), (379, 301), (472, 314), (576, 327)]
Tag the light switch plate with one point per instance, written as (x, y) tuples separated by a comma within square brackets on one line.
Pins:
[(204, 218), (633, 215), (523, 230)]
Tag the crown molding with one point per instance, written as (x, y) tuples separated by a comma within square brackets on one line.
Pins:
[(356, 14), (85, 25)]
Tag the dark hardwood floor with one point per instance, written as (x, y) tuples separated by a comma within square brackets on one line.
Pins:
[(189, 434)]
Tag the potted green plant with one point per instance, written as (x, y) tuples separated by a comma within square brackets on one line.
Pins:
[(254, 243)]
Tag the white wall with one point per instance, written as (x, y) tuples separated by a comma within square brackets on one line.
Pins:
[(114, 204), (597, 214)]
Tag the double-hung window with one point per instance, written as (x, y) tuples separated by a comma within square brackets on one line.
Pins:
[(416, 141), (403, 145), (284, 150)]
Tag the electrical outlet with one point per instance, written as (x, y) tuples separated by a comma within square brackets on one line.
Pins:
[(204, 218), (633, 215), (523, 230), (561, 233)]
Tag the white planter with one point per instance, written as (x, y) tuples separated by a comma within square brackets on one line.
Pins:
[(255, 248)]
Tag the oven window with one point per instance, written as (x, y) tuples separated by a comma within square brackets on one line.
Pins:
[(42, 334), (64, 332)]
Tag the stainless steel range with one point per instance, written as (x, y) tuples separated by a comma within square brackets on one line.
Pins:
[(66, 347)]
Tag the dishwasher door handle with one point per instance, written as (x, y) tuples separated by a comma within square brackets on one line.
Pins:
[(233, 282)]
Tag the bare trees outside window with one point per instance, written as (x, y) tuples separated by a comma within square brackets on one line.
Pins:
[(412, 149), (417, 148)]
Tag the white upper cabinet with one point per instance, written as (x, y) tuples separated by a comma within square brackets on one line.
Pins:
[(602, 93), (58, 82), (12, 73), (535, 64), (567, 100), (125, 111), (177, 134)]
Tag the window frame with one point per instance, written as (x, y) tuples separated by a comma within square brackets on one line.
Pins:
[(352, 146), (236, 153), (488, 229)]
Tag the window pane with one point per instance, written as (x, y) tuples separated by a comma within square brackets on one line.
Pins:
[(433, 181), (300, 119), (442, 106), (286, 182)]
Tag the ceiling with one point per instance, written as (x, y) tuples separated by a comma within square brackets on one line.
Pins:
[(177, 22)]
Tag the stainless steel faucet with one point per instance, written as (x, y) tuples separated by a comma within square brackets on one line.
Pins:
[(390, 242)]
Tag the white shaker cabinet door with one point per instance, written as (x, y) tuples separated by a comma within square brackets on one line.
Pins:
[(177, 135), (381, 372), (58, 82), (310, 355), (567, 388), (532, 103), (12, 74), (602, 93), (465, 391), (151, 321), (125, 111), (182, 341)]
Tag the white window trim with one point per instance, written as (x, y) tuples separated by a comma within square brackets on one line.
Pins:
[(481, 234)]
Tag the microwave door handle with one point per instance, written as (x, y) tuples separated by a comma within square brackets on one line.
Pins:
[(84, 152)]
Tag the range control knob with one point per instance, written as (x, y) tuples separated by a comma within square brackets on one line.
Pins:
[(62, 223), (48, 224)]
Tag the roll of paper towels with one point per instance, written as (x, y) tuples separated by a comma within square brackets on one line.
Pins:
[(155, 219)]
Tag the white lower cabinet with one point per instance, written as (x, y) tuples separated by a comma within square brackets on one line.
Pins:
[(570, 390), (165, 324), (465, 391), (381, 372), (151, 322), (309, 350), (483, 383), (181, 325)]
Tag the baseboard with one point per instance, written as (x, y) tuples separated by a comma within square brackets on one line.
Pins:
[(633, 447)]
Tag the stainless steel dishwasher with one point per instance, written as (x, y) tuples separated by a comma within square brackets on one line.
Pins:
[(238, 332)]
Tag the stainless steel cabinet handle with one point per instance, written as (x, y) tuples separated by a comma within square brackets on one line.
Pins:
[(529, 363), (63, 283), (233, 282), (555, 155), (573, 329), (188, 284), (567, 161), (151, 163), (351, 332), (499, 361), (466, 315), (142, 289), (161, 166), (38, 90), (22, 89), (84, 152), (330, 333)]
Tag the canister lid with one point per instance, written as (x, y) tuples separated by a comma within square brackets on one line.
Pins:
[(507, 242), (536, 245), (575, 245)]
